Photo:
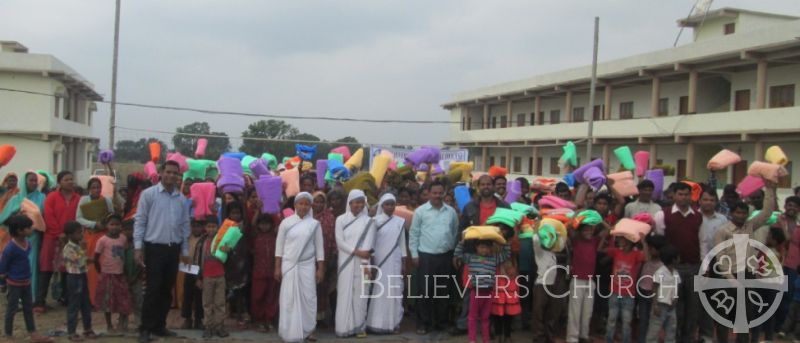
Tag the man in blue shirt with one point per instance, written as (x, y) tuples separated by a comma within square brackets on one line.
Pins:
[(433, 236), (160, 236)]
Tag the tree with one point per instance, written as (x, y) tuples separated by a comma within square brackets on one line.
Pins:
[(137, 151), (186, 144), (270, 129)]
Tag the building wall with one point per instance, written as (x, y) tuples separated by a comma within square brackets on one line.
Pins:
[(31, 154), (37, 113), (776, 76)]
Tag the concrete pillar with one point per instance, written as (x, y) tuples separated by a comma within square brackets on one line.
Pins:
[(568, 106), (607, 109), (606, 158), (689, 160), (692, 108), (537, 109), (535, 155), (655, 96), (761, 84), (485, 116), (508, 159), (653, 155), (485, 159), (758, 150), (508, 114)]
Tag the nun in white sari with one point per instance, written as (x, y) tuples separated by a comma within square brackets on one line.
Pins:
[(354, 239), (299, 263), (386, 306)]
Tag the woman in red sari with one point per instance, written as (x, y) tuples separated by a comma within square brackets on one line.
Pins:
[(60, 207)]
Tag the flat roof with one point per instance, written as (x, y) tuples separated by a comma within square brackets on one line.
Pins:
[(729, 12), (48, 66)]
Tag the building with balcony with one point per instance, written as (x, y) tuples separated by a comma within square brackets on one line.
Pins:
[(51, 131), (734, 86)]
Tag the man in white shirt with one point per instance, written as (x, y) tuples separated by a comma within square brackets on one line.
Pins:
[(644, 202)]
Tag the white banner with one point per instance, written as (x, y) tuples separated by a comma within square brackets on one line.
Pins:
[(448, 156)]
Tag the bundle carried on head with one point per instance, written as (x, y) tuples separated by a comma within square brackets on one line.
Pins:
[(506, 217), (7, 152), (484, 233), (570, 155), (587, 217), (630, 229), (231, 178), (723, 159), (306, 152), (423, 155), (180, 159), (625, 157), (365, 182), (497, 171), (105, 156)]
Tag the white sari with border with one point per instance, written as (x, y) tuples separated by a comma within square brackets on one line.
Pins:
[(299, 244)]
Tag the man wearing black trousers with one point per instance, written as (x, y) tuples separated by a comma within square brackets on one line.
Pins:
[(160, 236)]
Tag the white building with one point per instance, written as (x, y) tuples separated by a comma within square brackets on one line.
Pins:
[(733, 87), (50, 132)]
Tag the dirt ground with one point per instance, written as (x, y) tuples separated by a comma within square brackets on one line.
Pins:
[(53, 323)]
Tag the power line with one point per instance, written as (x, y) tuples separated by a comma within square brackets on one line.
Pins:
[(210, 135), (250, 114)]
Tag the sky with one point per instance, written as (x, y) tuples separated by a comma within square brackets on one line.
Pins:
[(374, 59)]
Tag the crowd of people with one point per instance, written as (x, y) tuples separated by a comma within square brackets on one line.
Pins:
[(451, 251)]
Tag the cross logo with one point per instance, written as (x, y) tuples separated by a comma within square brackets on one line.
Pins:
[(753, 256)]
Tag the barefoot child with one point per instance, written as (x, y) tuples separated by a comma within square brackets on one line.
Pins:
[(15, 277), (265, 289), (77, 283), (113, 295)]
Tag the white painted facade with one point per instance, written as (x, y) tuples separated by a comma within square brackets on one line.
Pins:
[(50, 132), (684, 103)]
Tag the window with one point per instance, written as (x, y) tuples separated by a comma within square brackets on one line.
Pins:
[(503, 121), (469, 123), (597, 112), (533, 119), (729, 28), (554, 168), (555, 116), (684, 105), (517, 166), (68, 106), (681, 172), (577, 114), (541, 118), (494, 122), (786, 181), (463, 122), (491, 161), (503, 162), (781, 96), (521, 119), (55, 167), (539, 162), (626, 110), (742, 100), (57, 105), (530, 165), (663, 107)]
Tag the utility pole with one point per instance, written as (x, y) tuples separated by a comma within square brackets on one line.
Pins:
[(113, 119), (592, 87)]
